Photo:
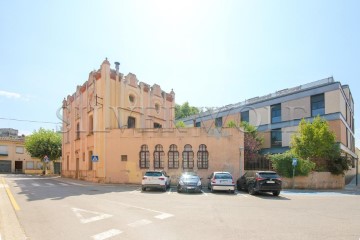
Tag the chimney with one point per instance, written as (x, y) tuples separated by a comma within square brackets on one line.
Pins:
[(117, 64)]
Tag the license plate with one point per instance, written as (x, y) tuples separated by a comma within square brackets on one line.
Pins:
[(190, 188), (270, 181)]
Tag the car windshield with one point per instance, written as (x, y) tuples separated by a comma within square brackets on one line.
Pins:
[(269, 175), (223, 176), (153, 174), (190, 178)]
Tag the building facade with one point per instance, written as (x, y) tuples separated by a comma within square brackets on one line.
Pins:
[(277, 115), (115, 128), (13, 156)]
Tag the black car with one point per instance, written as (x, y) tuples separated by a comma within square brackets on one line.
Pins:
[(260, 181), (189, 182)]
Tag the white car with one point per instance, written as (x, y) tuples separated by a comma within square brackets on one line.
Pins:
[(155, 179), (222, 181)]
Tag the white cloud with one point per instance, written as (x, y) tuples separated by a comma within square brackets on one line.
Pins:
[(10, 94)]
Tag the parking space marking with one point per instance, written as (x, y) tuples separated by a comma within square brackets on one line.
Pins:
[(64, 184), (50, 184), (108, 234), (163, 216), (169, 191), (204, 193), (140, 223), (135, 191), (35, 184)]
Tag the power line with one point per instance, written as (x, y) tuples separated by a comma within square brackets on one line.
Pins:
[(31, 121)]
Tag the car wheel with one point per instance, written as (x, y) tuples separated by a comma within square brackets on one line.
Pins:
[(164, 189), (251, 189), (143, 189), (238, 187), (276, 193), (232, 191), (178, 190)]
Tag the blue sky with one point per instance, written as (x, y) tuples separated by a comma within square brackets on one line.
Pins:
[(233, 50)]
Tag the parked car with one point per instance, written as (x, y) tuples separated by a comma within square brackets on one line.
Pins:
[(189, 182), (155, 179), (222, 181), (260, 181)]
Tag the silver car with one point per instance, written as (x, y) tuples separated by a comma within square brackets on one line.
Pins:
[(221, 181)]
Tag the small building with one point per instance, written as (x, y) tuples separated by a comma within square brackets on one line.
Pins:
[(13, 156), (115, 128)]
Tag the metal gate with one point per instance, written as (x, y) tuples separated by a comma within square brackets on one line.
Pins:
[(5, 166), (57, 167)]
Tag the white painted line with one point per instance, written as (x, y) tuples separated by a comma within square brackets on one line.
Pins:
[(243, 195), (35, 185), (98, 216), (77, 184), (139, 223), (64, 184), (163, 216), (108, 234), (204, 193), (169, 192), (50, 184), (135, 191)]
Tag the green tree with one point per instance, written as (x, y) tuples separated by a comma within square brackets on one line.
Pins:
[(180, 124), (316, 142), (185, 110), (44, 143)]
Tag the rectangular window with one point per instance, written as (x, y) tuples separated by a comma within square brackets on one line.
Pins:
[(276, 138), (20, 150), (157, 125), (244, 116), (198, 124), (123, 158), (3, 150), (30, 165), (77, 131), (317, 105), (131, 122), (39, 165), (91, 124), (218, 122), (90, 167), (276, 113)]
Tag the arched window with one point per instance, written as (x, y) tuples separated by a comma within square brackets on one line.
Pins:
[(144, 161), (202, 157), (159, 156), (188, 157), (173, 155)]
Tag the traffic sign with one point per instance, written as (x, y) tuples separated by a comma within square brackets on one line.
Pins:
[(46, 159), (294, 162), (94, 158)]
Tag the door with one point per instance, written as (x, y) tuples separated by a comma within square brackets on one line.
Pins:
[(77, 168), (18, 167), (5, 166), (57, 168)]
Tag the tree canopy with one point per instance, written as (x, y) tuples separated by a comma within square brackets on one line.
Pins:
[(185, 110), (44, 143)]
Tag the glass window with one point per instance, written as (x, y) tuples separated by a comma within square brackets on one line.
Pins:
[(157, 125), (90, 167), (30, 165), (198, 124), (218, 122), (276, 113), (144, 161), (20, 150), (3, 150), (276, 138), (159, 156), (77, 131), (244, 116), (173, 155), (203, 157), (131, 122), (317, 105), (188, 157)]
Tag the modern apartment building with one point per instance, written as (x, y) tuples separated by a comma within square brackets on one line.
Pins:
[(115, 128), (278, 114), (13, 156)]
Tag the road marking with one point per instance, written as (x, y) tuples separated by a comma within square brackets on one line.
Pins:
[(204, 193), (163, 216), (169, 192), (64, 184), (10, 195), (139, 223), (99, 216), (108, 234), (35, 184), (77, 184), (135, 191), (50, 184)]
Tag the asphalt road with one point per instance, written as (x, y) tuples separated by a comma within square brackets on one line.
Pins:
[(57, 208)]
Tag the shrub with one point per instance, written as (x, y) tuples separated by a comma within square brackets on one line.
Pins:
[(282, 163)]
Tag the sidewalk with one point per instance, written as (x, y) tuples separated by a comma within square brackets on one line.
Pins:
[(10, 228)]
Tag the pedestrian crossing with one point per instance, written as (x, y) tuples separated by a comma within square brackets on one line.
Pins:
[(42, 184)]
